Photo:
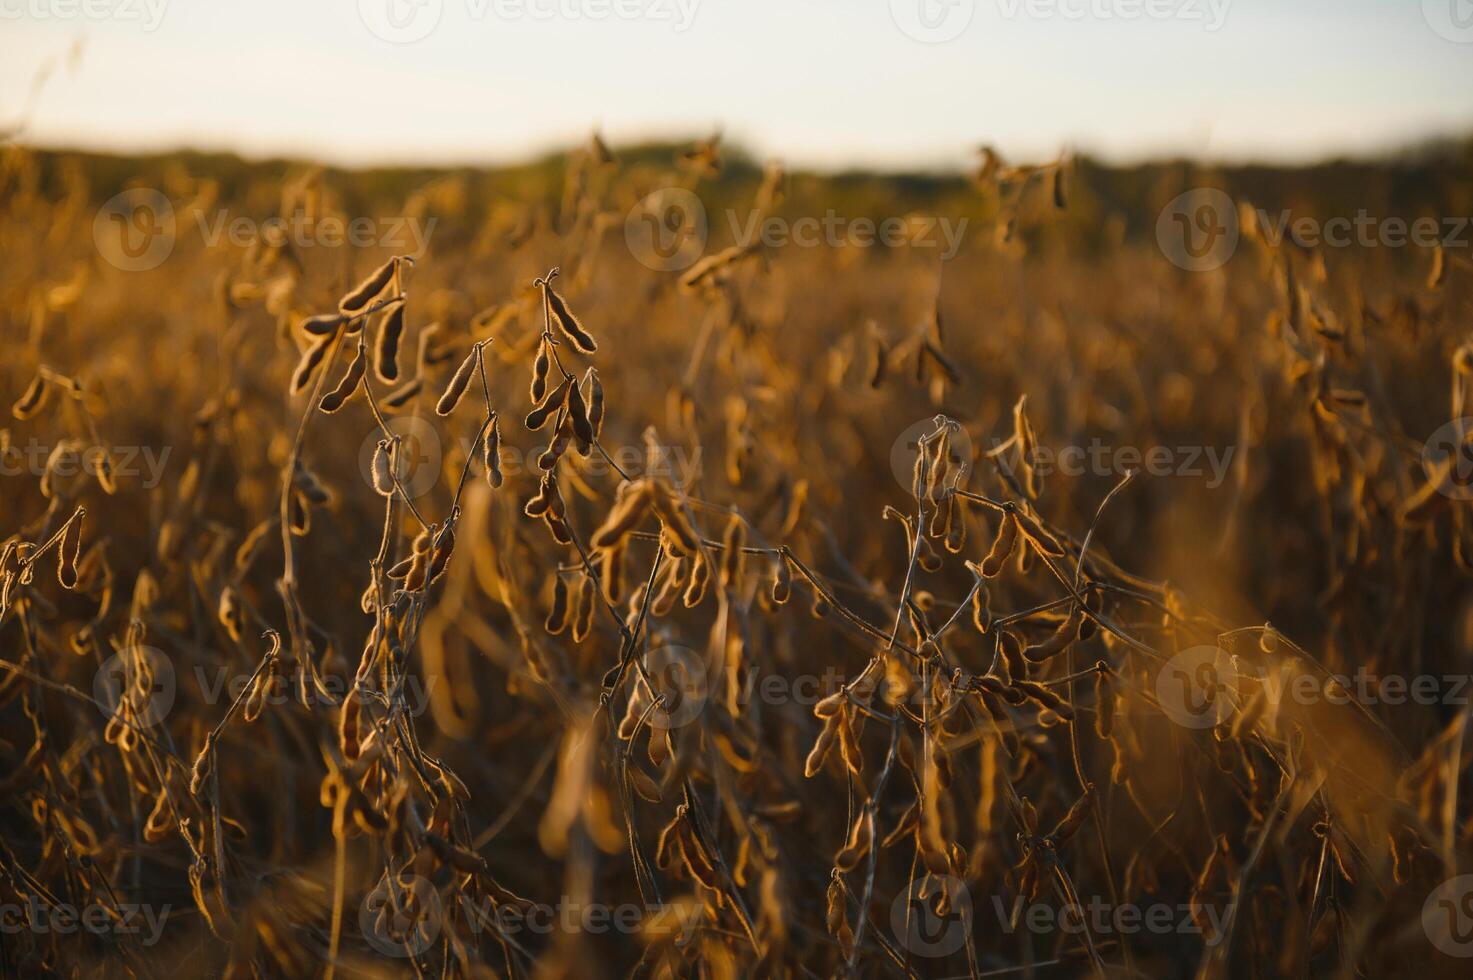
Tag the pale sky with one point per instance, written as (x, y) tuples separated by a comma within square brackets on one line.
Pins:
[(820, 83)]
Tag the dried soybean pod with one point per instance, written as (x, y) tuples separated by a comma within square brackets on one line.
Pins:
[(672, 583), (578, 412), (732, 556), (538, 417), (981, 608), (321, 326), (69, 549), (386, 354), (299, 513), (1061, 199), (383, 476), (491, 454), (352, 379), (1010, 649), (595, 400), (1002, 547), (1034, 532), (1074, 819), (613, 573), (782, 582), (229, 612), (861, 836), (542, 502), (1104, 701), (308, 365), (557, 617), (567, 322), (368, 290), (1045, 697), (926, 555), (246, 553), (458, 383), (700, 578), (625, 516), (540, 368), (1059, 640), (823, 744), (674, 519), (583, 621)]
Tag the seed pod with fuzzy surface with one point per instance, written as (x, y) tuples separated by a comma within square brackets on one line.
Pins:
[(823, 743), (567, 322), (782, 582), (1074, 819), (229, 612), (321, 326), (1034, 531), (540, 368), (1059, 640), (386, 353), (68, 550), (383, 476), (1002, 547), (361, 295), (349, 384), (309, 363), (595, 400), (458, 383), (861, 837), (672, 516), (557, 617), (491, 452), (700, 578), (1042, 695), (538, 417), (583, 619), (732, 556), (982, 609), (625, 516), (1104, 702), (578, 412)]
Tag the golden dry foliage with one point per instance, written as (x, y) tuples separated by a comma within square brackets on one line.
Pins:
[(482, 662)]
